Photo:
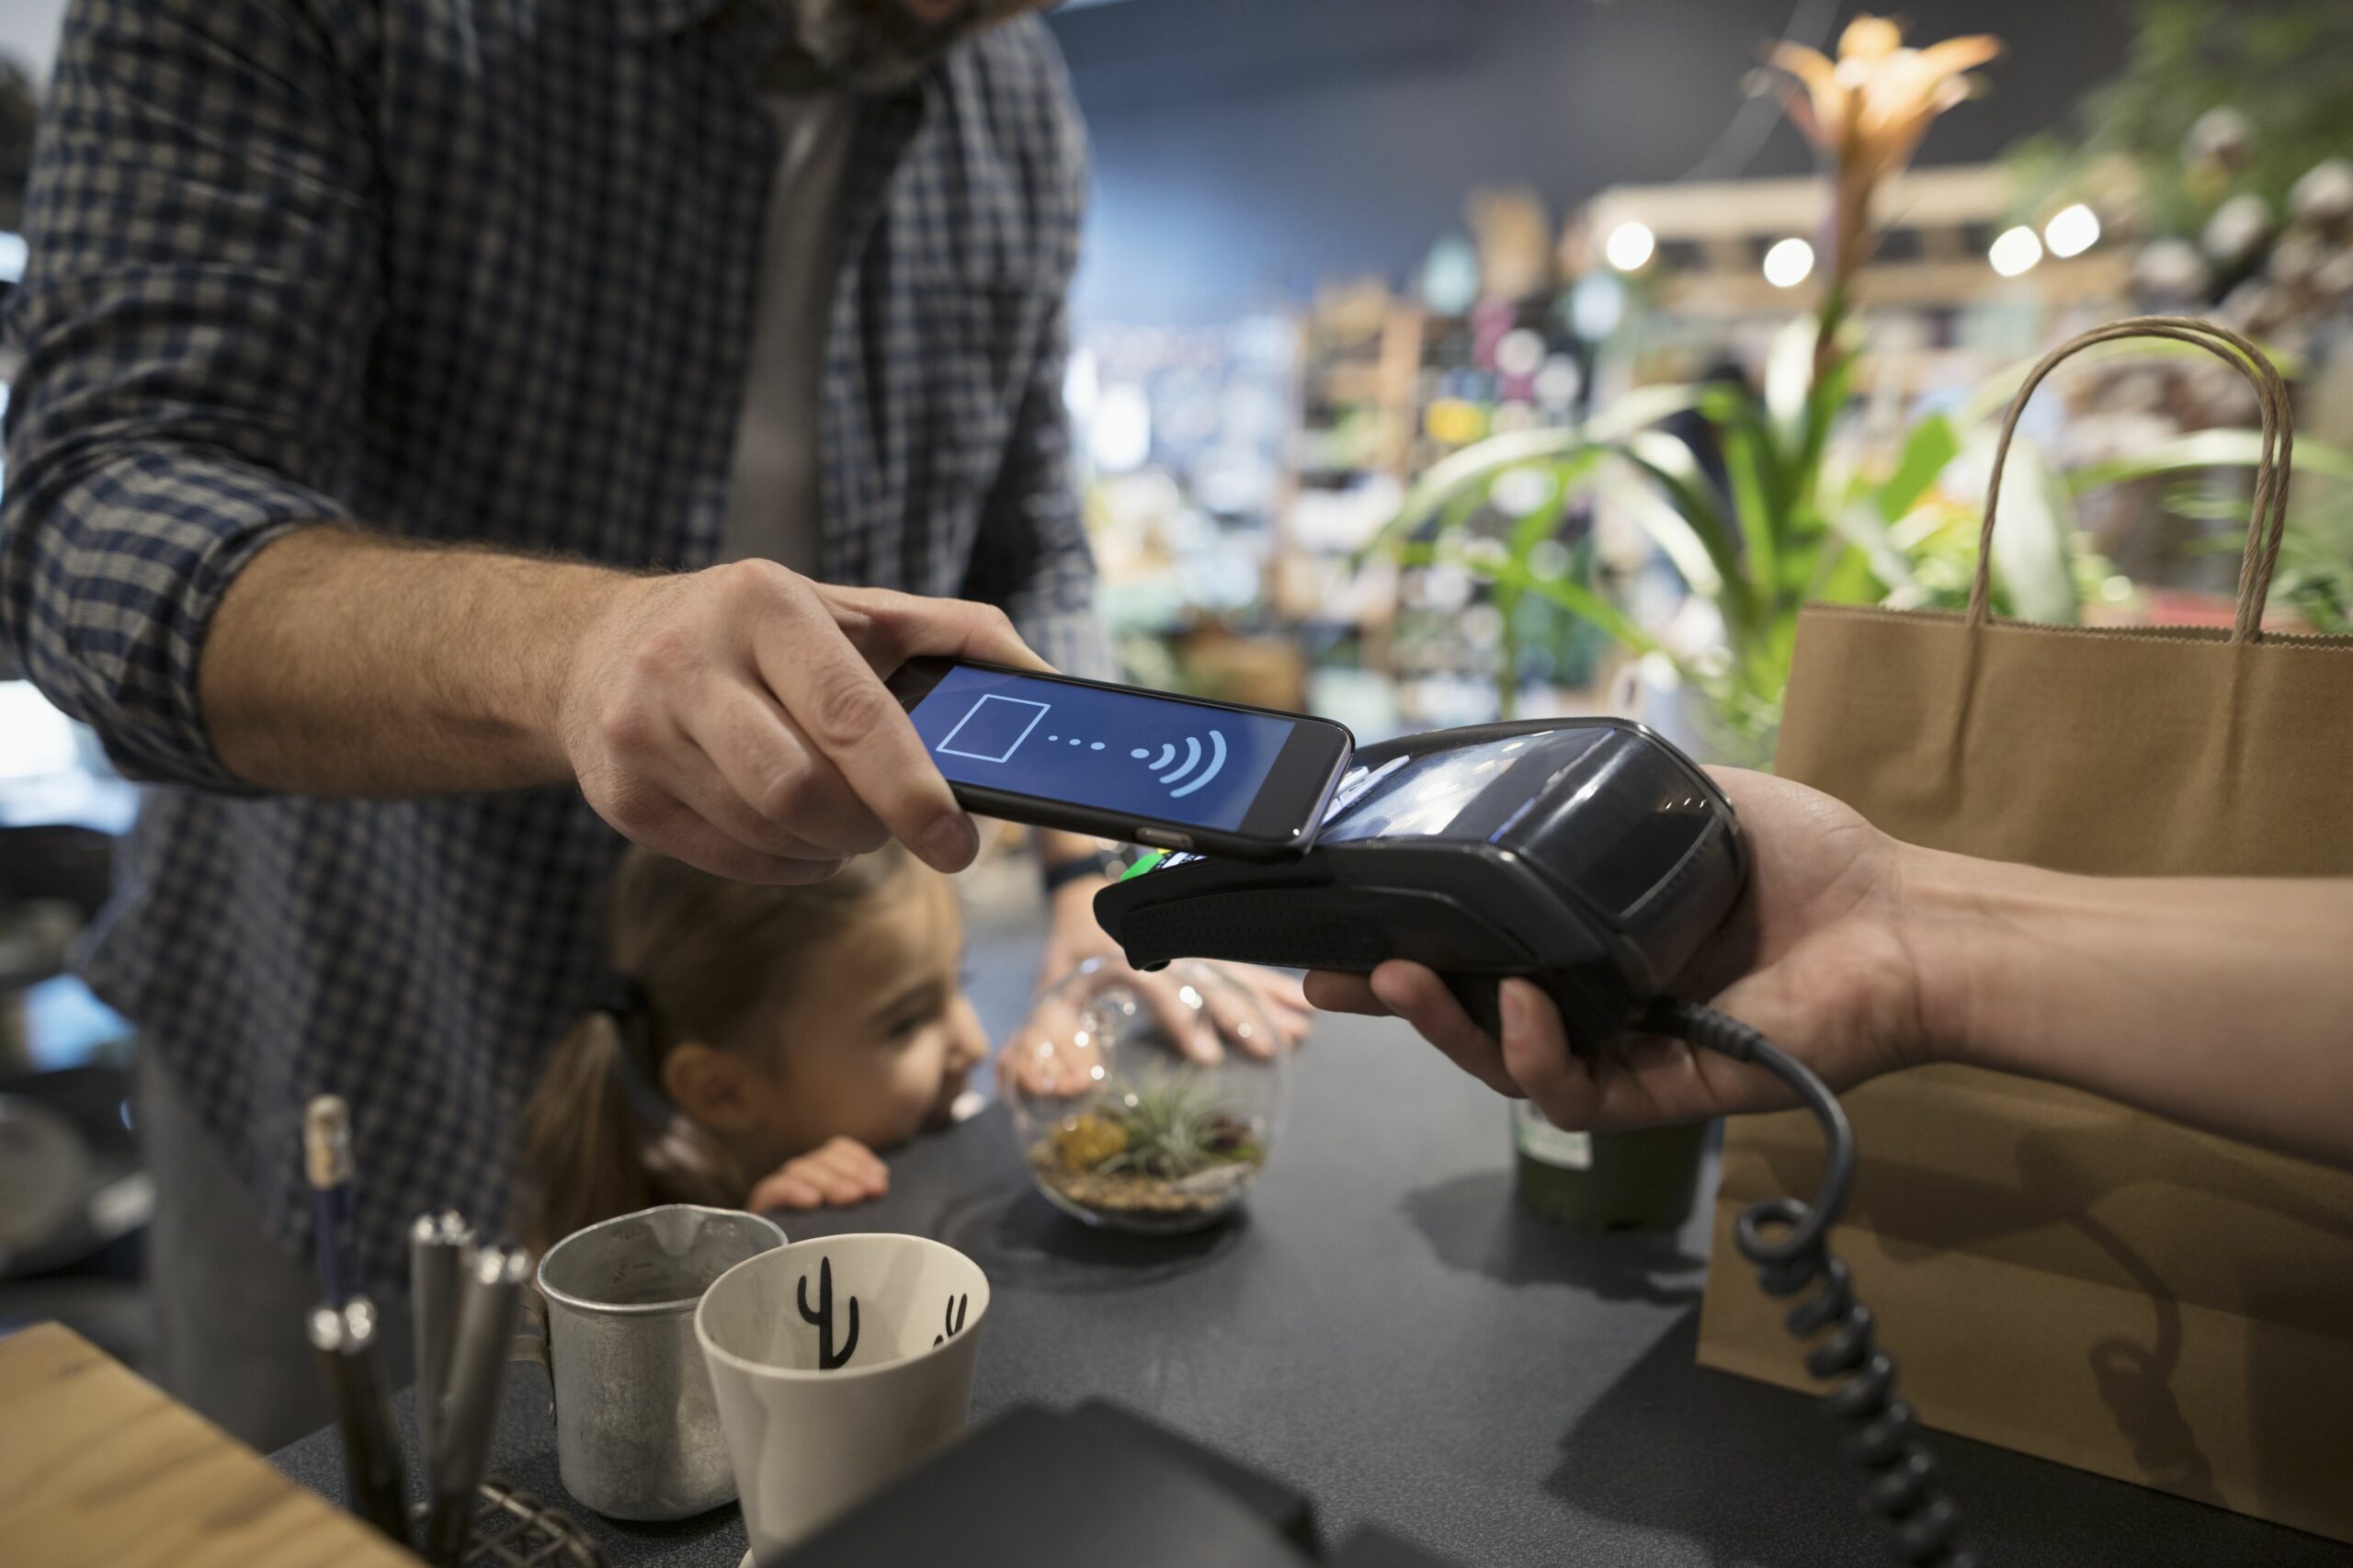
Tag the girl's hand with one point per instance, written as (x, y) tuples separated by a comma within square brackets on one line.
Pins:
[(836, 1174), (1075, 937)]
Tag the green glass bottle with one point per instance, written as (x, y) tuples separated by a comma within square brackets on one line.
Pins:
[(1645, 1179)]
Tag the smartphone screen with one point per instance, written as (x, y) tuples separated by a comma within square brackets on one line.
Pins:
[(1130, 754)]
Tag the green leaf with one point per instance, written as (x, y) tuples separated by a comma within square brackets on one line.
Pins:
[(2036, 518), (1544, 522), (1751, 508), (1640, 409), (2209, 449), (1926, 452), (1788, 378), (1642, 505), (1443, 483), (1860, 525), (1822, 407), (1994, 394), (1852, 580), (1675, 469)]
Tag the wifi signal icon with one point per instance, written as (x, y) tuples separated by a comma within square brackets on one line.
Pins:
[(1194, 752)]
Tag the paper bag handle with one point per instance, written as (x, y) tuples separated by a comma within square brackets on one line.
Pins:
[(2270, 513)]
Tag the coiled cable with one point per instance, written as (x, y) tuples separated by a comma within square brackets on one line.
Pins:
[(1786, 1239)]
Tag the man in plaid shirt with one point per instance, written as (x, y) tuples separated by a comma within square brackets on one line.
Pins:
[(402, 386)]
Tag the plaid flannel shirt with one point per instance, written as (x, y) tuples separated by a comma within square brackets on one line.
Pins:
[(476, 270)]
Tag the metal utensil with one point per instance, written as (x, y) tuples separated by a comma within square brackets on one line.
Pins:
[(438, 1244), (328, 1161), (345, 1338), (637, 1433), (490, 1292)]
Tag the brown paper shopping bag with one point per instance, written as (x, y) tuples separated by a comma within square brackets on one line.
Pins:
[(2053, 1272)]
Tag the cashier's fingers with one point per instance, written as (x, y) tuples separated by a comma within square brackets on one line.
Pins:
[(1421, 998), (1335, 992), (1632, 1081)]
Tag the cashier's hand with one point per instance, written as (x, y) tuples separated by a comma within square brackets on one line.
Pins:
[(1075, 940), (1817, 956), (836, 1174), (737, 719)]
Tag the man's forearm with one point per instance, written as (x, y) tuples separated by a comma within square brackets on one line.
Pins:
[(345, 663), (2222, 1003)]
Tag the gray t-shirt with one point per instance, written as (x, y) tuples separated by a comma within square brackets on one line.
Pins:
[(772, 492)]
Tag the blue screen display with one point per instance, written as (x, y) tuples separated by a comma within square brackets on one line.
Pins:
[(1161, 759)]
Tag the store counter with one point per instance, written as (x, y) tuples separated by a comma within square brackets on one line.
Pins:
[(1387, 1333)]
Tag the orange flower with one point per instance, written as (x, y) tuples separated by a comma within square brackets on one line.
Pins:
[(1867, 111)]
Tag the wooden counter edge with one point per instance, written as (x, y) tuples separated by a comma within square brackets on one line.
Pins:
[(99, 1467)]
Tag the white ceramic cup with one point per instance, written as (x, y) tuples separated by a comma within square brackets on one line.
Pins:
[(823, 1405)]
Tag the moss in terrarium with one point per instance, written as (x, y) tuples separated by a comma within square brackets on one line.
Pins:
[(1085, 1140), (1163, 1147)]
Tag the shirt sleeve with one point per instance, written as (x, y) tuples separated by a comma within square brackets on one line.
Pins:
[(194, 323)]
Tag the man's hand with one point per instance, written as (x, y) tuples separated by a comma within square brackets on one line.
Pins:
[(733, 718), (737, 719), (836, 1174), (1818, 955)]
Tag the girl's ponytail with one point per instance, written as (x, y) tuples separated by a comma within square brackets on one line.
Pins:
[(584, 1158)]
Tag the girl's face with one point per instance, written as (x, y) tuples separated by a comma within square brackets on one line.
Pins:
[(878, 1037)]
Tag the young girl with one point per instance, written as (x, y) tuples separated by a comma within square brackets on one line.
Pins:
[(763, 1043)]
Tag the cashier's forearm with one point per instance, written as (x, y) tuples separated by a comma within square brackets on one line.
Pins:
[(2223, 1003), (344, 663)]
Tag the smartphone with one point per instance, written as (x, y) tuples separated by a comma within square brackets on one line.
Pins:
[(1120, 762)]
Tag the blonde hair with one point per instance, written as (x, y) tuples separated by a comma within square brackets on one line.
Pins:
[(705, 960)]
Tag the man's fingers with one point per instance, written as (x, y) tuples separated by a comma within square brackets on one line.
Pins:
[(888, 629), (781, 781), (1335, 992), (841, 705), (661, 822), (1421, 998), (692, 776)]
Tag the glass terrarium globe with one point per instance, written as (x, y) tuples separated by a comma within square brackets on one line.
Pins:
[(1133, 1125)]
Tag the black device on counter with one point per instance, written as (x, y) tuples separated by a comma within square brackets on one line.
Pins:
[(1120, 762), (1593, 858), (1124, 1490)]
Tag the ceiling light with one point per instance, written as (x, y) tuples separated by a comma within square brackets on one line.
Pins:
[(2072, 231), (1789, 264), (1630, 246), (2016, 251)]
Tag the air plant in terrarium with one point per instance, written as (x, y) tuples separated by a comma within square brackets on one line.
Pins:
[(1133, 1121)]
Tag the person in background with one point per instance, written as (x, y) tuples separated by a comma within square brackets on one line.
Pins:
[(446, 435), (2219, 1003)]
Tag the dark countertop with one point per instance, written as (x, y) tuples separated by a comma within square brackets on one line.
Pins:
[(1387, 1332)]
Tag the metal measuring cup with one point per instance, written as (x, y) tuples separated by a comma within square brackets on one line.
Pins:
[(637, 1434)]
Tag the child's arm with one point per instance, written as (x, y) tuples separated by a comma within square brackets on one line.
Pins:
[(839, 1172)]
